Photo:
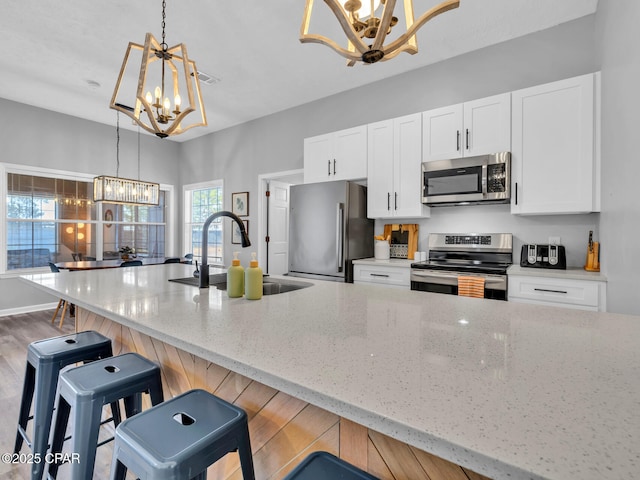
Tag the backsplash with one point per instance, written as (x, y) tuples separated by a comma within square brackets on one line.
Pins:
[(573, 230)]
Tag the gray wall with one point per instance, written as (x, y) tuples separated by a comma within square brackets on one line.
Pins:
[(617, 27)]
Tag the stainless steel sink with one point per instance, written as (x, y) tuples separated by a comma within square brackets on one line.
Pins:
[(270, 286)]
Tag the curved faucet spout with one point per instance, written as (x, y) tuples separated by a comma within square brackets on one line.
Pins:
[(204, 268)]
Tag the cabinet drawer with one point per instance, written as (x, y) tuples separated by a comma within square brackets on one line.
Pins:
[(386, 275), (554, 291)]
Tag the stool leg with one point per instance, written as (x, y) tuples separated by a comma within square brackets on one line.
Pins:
[(86, 420), (244, 451), (133, 404), (118, 469), (59, 430), (44, 400), (155, 390), (25, 404), (55, 314)]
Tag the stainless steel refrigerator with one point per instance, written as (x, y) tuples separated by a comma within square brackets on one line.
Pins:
[(328, 229)]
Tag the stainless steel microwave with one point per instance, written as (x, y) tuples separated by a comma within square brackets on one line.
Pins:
[(469, 180)]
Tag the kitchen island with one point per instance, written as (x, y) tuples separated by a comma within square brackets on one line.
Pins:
[(393, 380)]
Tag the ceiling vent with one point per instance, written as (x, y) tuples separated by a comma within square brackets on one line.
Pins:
[(206, 78)]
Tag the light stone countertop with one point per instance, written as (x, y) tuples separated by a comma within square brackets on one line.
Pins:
[(392, 262), (508, 390), (572, 273)]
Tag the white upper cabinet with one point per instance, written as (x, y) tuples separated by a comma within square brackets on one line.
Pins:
[(555, 161), (473, 128), (394, 168), (338, 155)]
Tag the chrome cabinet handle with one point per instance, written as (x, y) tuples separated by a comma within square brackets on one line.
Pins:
[(457, 140), (334, 166), (388, 200), (395, 201), (329, 167), (467, 139)]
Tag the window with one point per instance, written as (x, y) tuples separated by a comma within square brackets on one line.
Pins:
[(200, 201), (51, 217)]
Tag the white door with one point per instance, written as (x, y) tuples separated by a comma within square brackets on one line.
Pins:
[(442, 133), (278, 228), (487, 125)]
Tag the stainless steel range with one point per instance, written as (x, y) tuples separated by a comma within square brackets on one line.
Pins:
[(485, 255)]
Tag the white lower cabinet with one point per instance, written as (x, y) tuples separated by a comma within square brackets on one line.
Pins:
[(555, 290), (387, 274)]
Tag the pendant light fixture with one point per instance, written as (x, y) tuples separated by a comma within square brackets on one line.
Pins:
[(360, 22), (165, 88), (124, 190)]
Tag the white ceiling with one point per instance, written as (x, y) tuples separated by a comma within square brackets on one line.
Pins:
[(53, 48)]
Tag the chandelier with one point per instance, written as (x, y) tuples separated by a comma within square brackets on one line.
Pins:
[(165, 75), (359, 22), (124, 190)]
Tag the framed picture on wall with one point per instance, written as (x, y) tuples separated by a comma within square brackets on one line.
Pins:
[(108, 217), (240, 203), (235, 234)]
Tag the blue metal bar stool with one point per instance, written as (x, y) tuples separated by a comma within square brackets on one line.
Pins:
[(180, 438), (324, 466), (45, 359), (86, 390)]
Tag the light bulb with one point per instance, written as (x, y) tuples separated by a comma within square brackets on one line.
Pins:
[(158, 93), (148, 98), (166, 106), (178, 101)]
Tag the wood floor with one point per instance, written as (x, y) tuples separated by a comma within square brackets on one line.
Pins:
[(16, 332)]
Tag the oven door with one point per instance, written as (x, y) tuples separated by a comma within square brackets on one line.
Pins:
[(444, 281)]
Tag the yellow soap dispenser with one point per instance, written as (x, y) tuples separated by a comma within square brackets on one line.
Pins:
[(253, 280), (235, 278)]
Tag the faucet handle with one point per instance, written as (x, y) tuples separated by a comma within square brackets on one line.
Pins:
[(196, 272)]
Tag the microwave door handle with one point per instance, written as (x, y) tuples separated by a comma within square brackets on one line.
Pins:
[(484, 180)]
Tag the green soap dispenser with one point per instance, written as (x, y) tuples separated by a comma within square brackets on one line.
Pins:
[(253, 280), (235, 278)]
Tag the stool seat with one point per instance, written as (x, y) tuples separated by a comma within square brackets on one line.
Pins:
[(86, 389), (324, 466), (45, 359), (202, 428)]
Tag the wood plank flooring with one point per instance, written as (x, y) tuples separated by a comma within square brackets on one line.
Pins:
[(283, 429)]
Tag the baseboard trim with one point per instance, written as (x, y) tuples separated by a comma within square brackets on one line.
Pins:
[(27, 309)]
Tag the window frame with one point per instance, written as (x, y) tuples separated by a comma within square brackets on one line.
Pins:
[(187, 210), (6, 168)]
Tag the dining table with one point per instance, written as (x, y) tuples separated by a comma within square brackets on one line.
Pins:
[(112, 263)]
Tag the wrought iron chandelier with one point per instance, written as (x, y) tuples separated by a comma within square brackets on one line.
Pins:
[(170, 75), (359, 22), (125, 190)]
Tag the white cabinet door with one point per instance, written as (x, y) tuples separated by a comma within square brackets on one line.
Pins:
[(380, 169), (553, 162), (407, 172), (442, 133), (487, 125), (350, 157), (318, 152), (338, 155), (467, 129), (394, 168)]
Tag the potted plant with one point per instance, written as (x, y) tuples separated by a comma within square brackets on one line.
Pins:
[(126, 251)]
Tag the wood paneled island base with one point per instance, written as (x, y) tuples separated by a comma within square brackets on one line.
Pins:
[(283, 429)]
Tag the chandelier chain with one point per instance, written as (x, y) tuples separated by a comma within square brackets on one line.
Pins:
[(164, 16)]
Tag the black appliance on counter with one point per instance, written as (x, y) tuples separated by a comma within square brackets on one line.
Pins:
[(485, 255), (543, 256)]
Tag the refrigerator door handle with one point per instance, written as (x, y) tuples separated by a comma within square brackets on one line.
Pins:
[(339, 235)]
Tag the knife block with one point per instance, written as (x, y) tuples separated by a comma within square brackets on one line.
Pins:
[(593, 258)]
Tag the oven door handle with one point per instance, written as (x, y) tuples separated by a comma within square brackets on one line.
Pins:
[(451, 278)]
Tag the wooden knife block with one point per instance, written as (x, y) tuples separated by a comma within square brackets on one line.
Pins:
[(593, 258), (412, 230)]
